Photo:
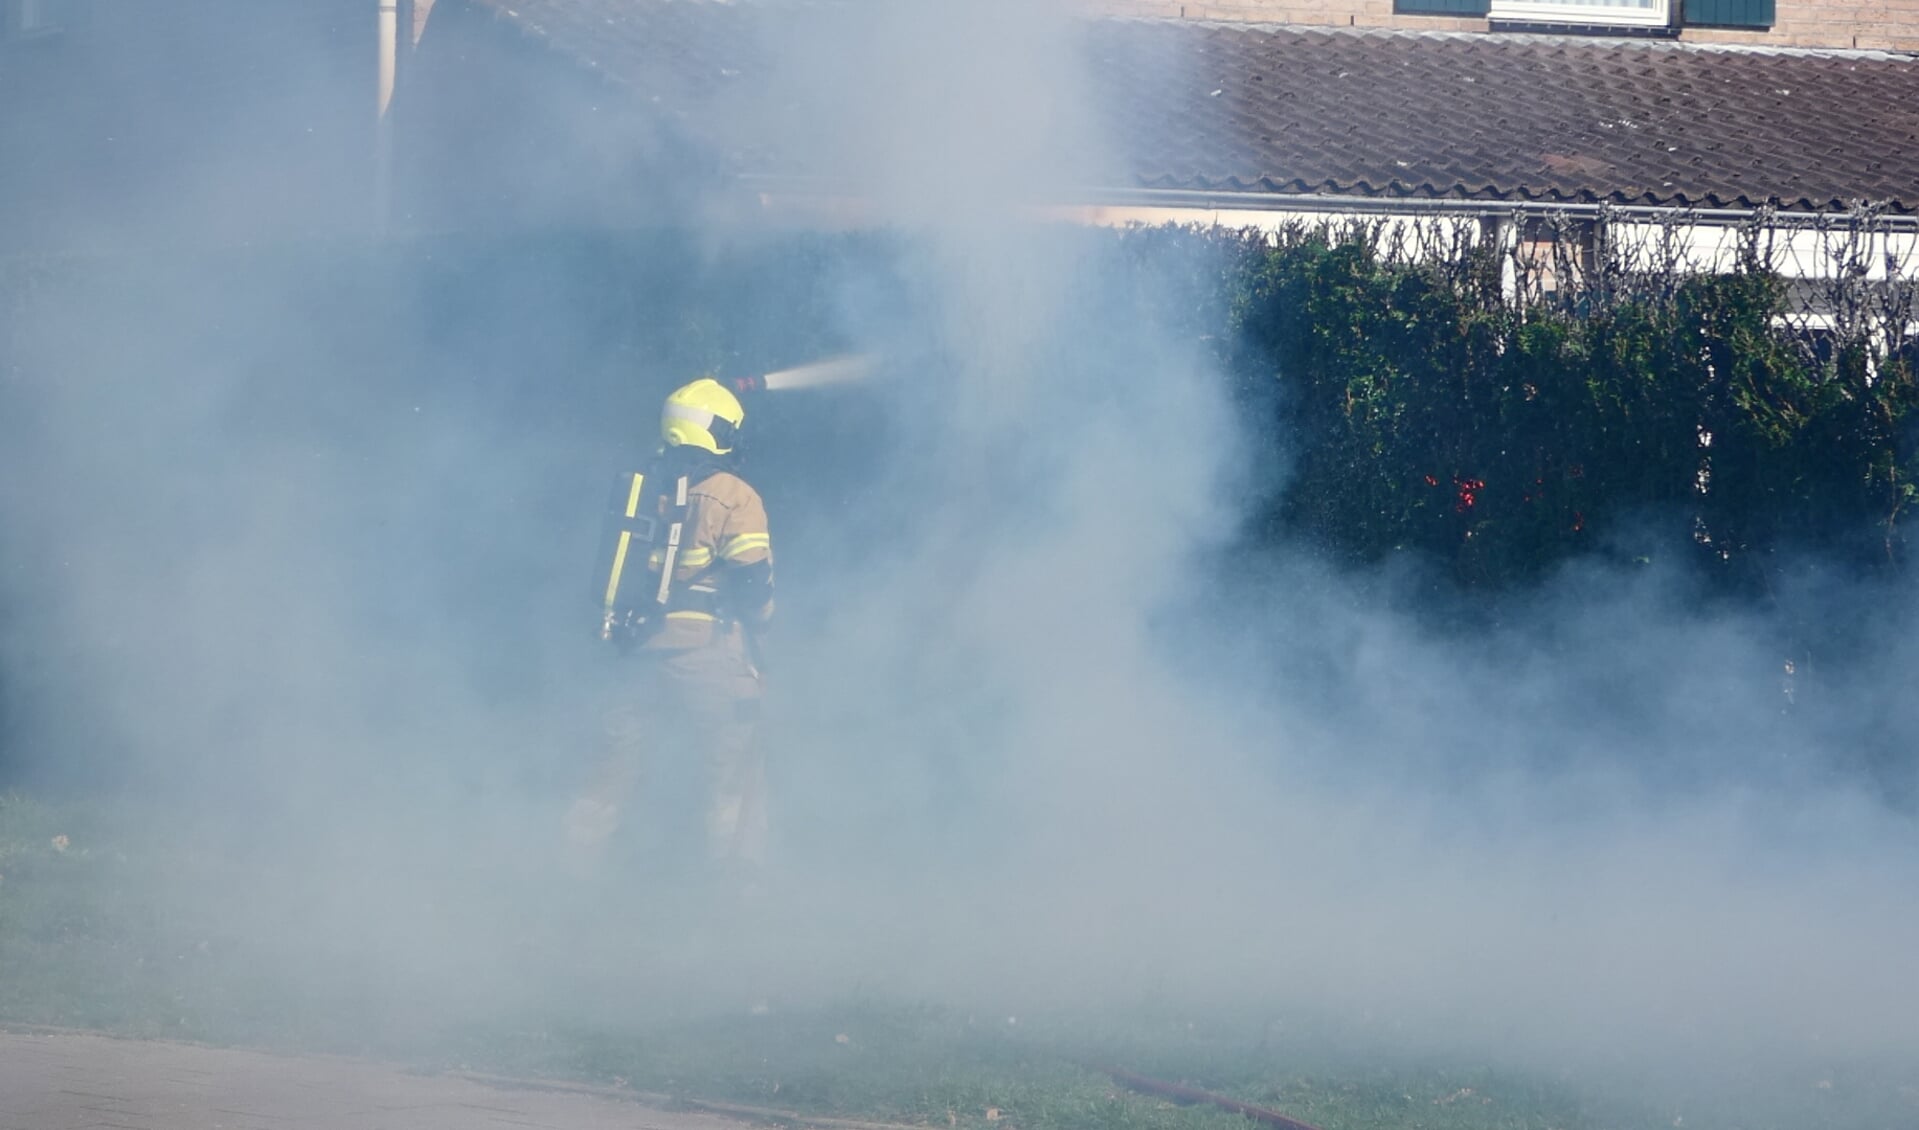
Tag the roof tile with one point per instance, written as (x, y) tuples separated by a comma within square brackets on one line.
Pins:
[(1289, 110)]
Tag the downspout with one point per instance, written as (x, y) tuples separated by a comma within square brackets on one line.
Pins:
[(389, 48)]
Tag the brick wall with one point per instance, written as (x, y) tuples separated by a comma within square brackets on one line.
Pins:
[(1888, 25)]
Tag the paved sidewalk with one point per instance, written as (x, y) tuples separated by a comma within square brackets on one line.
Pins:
[(71, 1082)]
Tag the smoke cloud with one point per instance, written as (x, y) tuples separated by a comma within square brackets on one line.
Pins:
[(304, 562)]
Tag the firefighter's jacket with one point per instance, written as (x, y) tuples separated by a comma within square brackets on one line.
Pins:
[(723, 578)]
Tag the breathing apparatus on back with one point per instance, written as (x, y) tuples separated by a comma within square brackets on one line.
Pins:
[(700, 432)]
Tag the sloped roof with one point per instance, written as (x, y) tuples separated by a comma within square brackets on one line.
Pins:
[(1214, 107), (1514, 117), (690, 59)]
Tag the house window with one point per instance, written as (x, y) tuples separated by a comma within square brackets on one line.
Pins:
[(1627, 13), (1590, 13)]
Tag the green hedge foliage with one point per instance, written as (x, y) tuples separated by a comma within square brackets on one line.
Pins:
[(1429, 408)]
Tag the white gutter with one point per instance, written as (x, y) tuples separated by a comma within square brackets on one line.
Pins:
[(1402, 205), (841, 199)]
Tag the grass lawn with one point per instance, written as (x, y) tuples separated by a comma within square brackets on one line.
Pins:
[(88, 939)]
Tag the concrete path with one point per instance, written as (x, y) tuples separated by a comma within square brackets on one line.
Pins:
[(71, 1081)]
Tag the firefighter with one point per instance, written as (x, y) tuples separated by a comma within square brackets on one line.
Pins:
[(689, 682)]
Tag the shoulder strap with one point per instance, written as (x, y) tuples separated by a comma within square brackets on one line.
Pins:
[(671, 560)]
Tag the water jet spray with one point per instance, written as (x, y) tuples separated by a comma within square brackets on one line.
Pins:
[(831, 371)]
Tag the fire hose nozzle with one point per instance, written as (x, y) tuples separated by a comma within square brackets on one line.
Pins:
[(832, 371)]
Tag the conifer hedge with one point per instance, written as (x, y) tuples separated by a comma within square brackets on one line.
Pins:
[(1429, 409)]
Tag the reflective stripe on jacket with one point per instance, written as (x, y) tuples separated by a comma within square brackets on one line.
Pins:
[(723, 545)]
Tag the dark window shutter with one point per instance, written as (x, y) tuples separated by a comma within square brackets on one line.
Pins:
[(1729, 13), (1442, 7)]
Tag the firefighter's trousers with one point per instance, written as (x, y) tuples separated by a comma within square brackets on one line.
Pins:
[(699, 702)]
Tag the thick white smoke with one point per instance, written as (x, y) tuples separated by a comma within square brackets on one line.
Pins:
[(1030, 748)]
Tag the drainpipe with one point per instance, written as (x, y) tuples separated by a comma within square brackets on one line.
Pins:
[(389, 39)]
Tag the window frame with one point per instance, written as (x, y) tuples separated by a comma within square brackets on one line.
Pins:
[(1574, 13), (1763, 16)]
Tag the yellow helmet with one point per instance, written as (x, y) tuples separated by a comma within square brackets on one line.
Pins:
[(704, 414)]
